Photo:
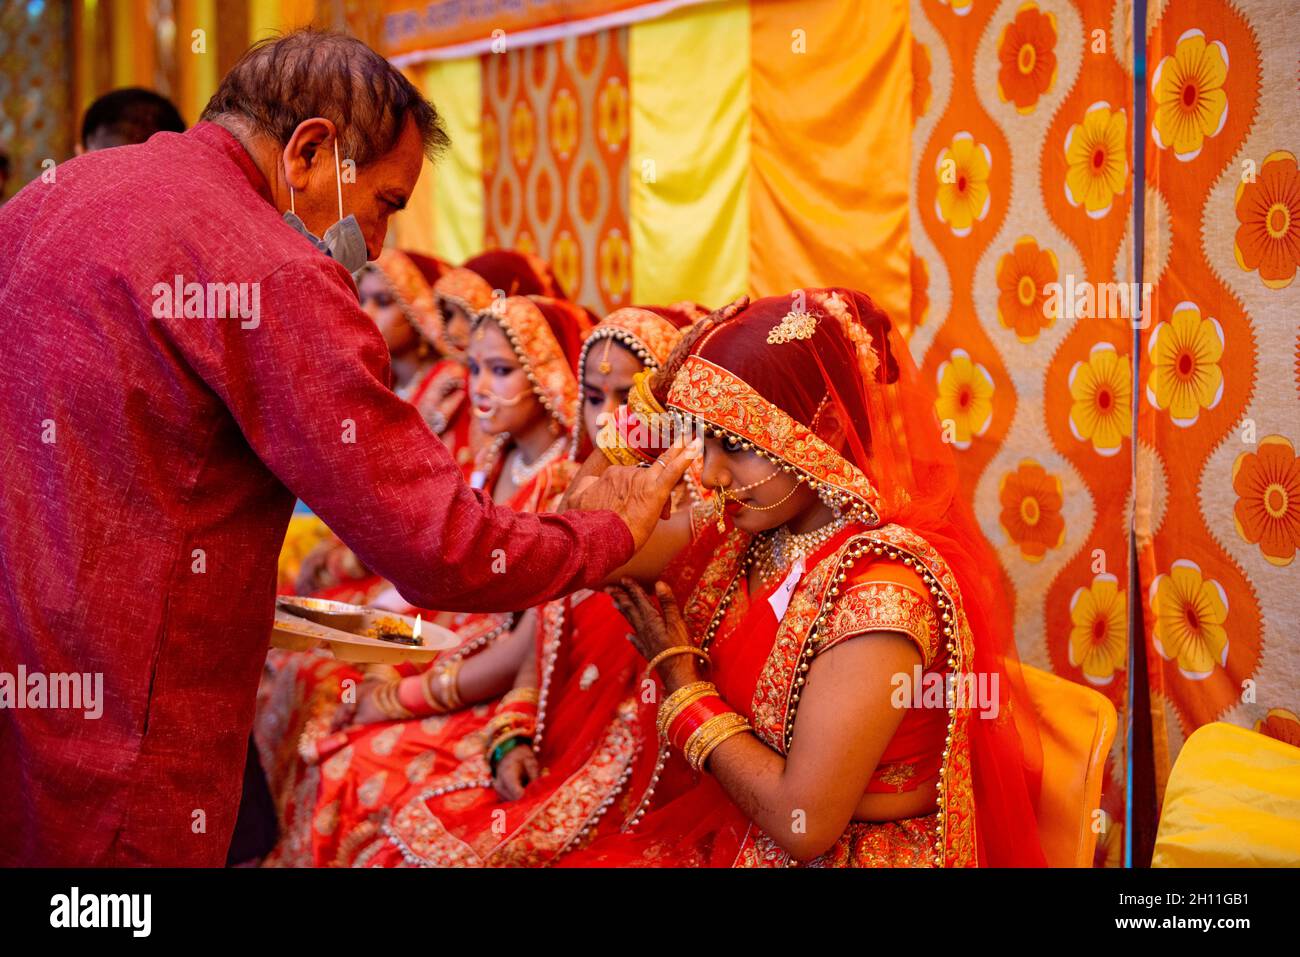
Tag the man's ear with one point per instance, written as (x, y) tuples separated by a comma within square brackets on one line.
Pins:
[(305, 149)]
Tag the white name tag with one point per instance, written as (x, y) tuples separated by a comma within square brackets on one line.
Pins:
[(780, 599)]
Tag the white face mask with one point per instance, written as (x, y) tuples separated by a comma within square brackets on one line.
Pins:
[(343, 242)]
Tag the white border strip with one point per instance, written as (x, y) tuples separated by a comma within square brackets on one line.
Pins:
[(547, 34)]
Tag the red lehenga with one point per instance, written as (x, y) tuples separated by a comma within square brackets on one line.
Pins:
[(333, 776), (861, 430), (593, 719)]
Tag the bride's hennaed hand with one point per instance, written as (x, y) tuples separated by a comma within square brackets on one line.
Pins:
[(655, 630), (515, 772)]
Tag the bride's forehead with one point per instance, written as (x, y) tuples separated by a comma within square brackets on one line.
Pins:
[(489, 342)]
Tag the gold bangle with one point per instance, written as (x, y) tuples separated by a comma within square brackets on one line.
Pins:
[(448, 685), (680, 699), (509, 719), (709, 735), (426, 689), (704, 737), (677, 650), (520, 696), (668, 718), (387, 699), (685, 691), (610, 443), (508, 735), (641, 399)]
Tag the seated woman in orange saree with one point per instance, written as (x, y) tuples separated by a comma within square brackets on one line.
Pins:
[(524, 393), (583, 682), (791, 727)]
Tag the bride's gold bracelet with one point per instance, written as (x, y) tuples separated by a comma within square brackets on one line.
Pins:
[(677, 650)]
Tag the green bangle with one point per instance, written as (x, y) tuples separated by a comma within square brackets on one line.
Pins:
[(504, 748)]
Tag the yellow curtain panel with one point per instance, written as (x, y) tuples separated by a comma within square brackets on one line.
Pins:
[(690, 155)]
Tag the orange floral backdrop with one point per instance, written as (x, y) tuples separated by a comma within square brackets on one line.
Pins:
[(1022, 178), (555, 141), (1219, 403)]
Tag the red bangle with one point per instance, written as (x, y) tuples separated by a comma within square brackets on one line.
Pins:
[(692, 716), (518, 707)]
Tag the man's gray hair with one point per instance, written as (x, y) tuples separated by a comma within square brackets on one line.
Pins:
[(282, 81)]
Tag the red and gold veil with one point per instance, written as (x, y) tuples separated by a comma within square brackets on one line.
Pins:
[(546, 335), (473, 286)]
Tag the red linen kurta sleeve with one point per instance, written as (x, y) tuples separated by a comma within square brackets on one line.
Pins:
[(306, 381)]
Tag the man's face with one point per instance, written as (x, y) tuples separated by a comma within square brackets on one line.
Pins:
[(382, 187)]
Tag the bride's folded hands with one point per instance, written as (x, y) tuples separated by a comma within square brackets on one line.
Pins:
[(656, 631), (806, 799)]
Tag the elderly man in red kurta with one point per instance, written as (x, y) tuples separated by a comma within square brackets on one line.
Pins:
[(151, 447)]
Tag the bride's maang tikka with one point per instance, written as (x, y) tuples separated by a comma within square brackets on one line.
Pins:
[(797, 324)]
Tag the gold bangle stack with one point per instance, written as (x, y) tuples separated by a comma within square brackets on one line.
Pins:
[(641, 399), (685, 695), (509, 723), (426, 689), (504, 731), (710, 734), (447, 697), (388, 702)]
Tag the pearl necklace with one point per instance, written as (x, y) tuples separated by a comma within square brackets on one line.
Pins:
[(521, 475), (786, 547)]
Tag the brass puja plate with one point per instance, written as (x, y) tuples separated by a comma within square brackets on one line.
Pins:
[(349, 632)]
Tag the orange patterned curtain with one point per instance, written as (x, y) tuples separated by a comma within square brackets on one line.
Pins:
[(1219, 411), (555, 134), (1021, 217)]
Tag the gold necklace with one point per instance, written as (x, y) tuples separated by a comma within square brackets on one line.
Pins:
[(786, 547)]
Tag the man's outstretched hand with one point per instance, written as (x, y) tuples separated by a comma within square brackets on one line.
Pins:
[(638, 495)]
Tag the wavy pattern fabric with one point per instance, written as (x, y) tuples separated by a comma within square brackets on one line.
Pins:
[(1022, 179), (1219, 402)]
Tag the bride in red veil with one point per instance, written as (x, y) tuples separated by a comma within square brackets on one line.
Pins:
[(851, 576)]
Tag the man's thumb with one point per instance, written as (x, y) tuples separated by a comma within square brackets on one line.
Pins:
[(670, 467)]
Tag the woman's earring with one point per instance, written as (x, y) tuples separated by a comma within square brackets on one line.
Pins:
[(720, 508)]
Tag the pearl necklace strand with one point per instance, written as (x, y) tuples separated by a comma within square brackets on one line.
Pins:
[(523, 474)]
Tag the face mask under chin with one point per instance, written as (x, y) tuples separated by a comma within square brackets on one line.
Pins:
[(344, 242)]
